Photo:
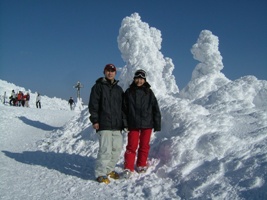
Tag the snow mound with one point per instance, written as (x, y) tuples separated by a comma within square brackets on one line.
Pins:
[(213, 139)]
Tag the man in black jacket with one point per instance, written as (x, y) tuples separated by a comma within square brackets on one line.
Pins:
[(108, 119)]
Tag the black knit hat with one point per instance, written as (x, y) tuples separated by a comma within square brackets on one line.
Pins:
[(140, 74)]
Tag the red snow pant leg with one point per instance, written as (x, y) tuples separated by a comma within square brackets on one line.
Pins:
[(144, 147), (130, 153), (133, 140)]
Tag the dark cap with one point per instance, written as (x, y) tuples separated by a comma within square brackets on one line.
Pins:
[(110, 67)]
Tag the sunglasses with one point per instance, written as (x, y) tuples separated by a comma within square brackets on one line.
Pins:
[(140, 75)]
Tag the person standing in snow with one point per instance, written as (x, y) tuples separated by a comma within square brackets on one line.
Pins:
[(143, 114), (12, 98), (19, 98), (4, 98), (108, 119), (23, 99), (27, 99), (38, 101), (71, 102)]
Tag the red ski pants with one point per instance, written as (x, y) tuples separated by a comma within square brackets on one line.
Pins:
[(137, 137)]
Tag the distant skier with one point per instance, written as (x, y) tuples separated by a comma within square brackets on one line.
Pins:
[(72, 103), (38, 101)]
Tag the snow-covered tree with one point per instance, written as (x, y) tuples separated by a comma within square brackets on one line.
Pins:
[(207, 75), (140, 47)]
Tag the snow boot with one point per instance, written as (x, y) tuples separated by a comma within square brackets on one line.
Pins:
[(113, 175), (141, 169), (127, 174), (103, 179)]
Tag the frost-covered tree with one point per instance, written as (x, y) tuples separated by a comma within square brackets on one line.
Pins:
[(140, 47), (207, 75)]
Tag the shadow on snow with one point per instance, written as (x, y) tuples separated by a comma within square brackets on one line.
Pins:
[(69, 164), (37, 124)]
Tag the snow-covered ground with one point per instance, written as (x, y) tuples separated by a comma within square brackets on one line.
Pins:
[(213, 142)]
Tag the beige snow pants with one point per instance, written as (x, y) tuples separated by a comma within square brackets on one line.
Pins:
[(110, 147)]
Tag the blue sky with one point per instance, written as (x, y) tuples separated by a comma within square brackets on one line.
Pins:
[(49, 45)]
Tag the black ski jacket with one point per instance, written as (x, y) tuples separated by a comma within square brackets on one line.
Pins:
[(142, 108), (106, 105)]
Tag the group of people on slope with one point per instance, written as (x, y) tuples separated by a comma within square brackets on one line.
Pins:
[(111, 111), (20, 99)]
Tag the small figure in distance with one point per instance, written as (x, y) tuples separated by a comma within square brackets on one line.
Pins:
[(72, 103)]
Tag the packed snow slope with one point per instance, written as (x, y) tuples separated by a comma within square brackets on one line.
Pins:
[(213, 142)]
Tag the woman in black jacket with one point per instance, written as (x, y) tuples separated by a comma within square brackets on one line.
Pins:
[(143, 115)]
